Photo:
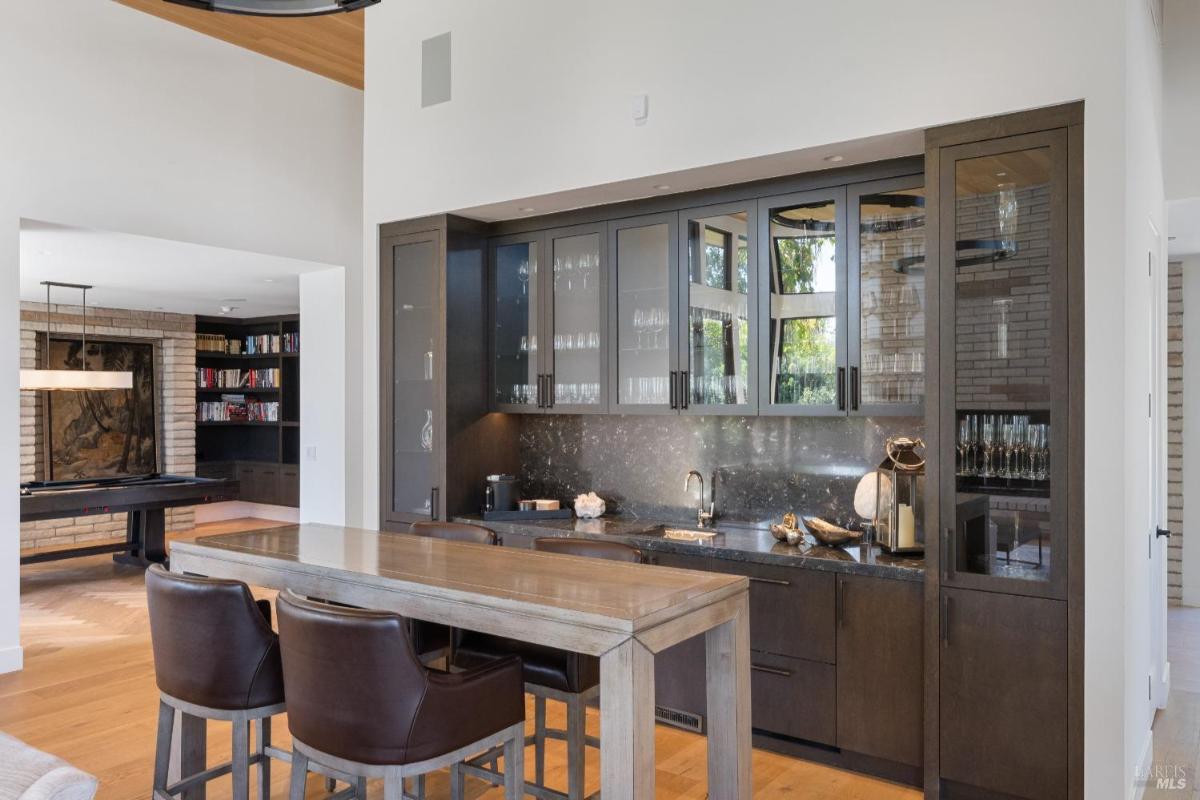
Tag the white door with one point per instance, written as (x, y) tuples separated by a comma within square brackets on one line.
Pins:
[(1157, 551)]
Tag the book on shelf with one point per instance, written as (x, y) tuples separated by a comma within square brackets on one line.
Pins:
[(230, 410), (209, 378)]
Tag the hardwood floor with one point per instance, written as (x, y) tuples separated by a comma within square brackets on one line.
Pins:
[(87, 694)]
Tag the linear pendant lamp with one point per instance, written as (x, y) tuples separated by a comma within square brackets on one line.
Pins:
[(72, 380), (277, 8)]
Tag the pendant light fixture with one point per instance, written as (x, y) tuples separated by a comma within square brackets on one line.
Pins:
[(72, 380), (277, 8)]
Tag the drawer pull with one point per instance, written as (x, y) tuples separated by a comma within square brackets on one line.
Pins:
[(783, 673), (772, 581)]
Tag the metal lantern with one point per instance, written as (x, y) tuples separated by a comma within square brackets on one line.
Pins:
[(900, 496)]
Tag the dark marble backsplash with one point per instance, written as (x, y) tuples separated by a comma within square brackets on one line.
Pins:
[(765, 466)]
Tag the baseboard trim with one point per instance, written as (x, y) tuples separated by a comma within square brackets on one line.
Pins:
[(239, 509), (1141, 776), (12, 659)]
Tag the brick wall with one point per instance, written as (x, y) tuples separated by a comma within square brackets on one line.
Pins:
[(1175, 431), (1004, 306), (174, 337)]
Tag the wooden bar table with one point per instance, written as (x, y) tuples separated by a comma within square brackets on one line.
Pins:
[(623, 613)]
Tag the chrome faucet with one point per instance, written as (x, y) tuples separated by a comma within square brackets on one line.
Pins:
[(704, 518)]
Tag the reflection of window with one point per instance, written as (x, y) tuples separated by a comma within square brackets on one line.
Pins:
[(803, 242), (743, 265), (712, 357), (805, 351), (714, 258)]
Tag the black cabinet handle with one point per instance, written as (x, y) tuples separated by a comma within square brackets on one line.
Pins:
[(946, 621), (772, 581), (674, 389), (550, 390), (541, 392), (684, 388), (855, 389), (841, 605), (782, 673), (841, 388), (433, 503), (944, 555), (1163, 532)]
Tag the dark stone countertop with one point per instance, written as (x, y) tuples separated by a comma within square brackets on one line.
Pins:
[(748, 544)]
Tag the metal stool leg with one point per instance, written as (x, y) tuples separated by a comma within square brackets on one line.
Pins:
[(539, 740), (514, 764), (456, 782), (241, 759), (162, 746), (576, 746), (264, 764), (299, 775)]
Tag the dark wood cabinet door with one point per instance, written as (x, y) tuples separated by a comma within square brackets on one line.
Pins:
[(268, 484), (791, 610), (793, 697), (289, 485), (1004, 693), (879, 675)]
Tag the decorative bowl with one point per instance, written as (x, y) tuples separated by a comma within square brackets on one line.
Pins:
[(829, 534)]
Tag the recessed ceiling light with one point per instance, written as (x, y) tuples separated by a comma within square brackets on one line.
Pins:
[(662, 187), (232, 300), (835, 159), (45, 253), (268, 280), (1172, 238), (526, 209)]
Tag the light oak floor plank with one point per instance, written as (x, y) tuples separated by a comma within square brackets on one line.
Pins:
[(87, 694)]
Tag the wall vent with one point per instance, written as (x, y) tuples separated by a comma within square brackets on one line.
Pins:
[(679, 719)]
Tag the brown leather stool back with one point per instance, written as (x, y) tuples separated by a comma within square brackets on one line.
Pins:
[(589, 548), (357, 691), (212, 644), (455, 532)]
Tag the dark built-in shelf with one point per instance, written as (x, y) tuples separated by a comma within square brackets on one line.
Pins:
[(264, 455)]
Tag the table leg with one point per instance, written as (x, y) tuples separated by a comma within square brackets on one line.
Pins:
[(728, 667), (627, 722)]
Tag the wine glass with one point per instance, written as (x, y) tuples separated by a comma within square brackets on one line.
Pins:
[(523, 276), (964, 446), (988, 440)]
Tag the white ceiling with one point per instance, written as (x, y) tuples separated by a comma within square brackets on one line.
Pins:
[(148, 274)]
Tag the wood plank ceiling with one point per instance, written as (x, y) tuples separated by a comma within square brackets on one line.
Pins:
[(329, 45)]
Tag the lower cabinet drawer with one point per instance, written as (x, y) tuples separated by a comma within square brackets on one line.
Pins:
[(793, 697)]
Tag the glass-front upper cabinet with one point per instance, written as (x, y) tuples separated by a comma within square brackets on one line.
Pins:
[(717, 282), (803, 302), (643, 315), (576, 320), (517, 313), (887, 297), (1004, 283), (411, 333)]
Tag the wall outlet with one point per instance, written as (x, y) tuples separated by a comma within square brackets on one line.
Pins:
[(310, 453)]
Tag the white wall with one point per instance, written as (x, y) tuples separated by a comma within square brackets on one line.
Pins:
[(1181, 98), (323, 418), (117, 120), (540, 104)]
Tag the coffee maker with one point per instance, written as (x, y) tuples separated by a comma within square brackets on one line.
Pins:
[(501, 493)]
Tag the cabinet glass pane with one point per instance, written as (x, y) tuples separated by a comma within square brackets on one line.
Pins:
[(1003, 380), (644, 317), (577, 362), (891, 248), (804, 284), (718, 337), (414, 317), (516, 315)]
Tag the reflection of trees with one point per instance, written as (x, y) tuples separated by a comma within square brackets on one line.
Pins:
[(808, 350)]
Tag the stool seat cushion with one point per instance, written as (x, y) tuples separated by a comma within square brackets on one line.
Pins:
[(541, 665), (30, 774)]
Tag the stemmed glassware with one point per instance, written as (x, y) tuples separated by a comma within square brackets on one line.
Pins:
[(988, 440), (523, 276)]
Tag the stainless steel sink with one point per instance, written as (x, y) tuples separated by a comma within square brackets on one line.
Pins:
[(680, 534)]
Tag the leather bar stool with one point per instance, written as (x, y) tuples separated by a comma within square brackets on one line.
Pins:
[(361, 703), (550, 674), (432, 640), (215, 658)]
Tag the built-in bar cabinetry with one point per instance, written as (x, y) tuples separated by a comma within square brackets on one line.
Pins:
[(1005, 216), (836, 665), (758, 300), (437, 441)]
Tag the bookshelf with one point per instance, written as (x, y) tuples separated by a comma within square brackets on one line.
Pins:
[(260, 448)]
